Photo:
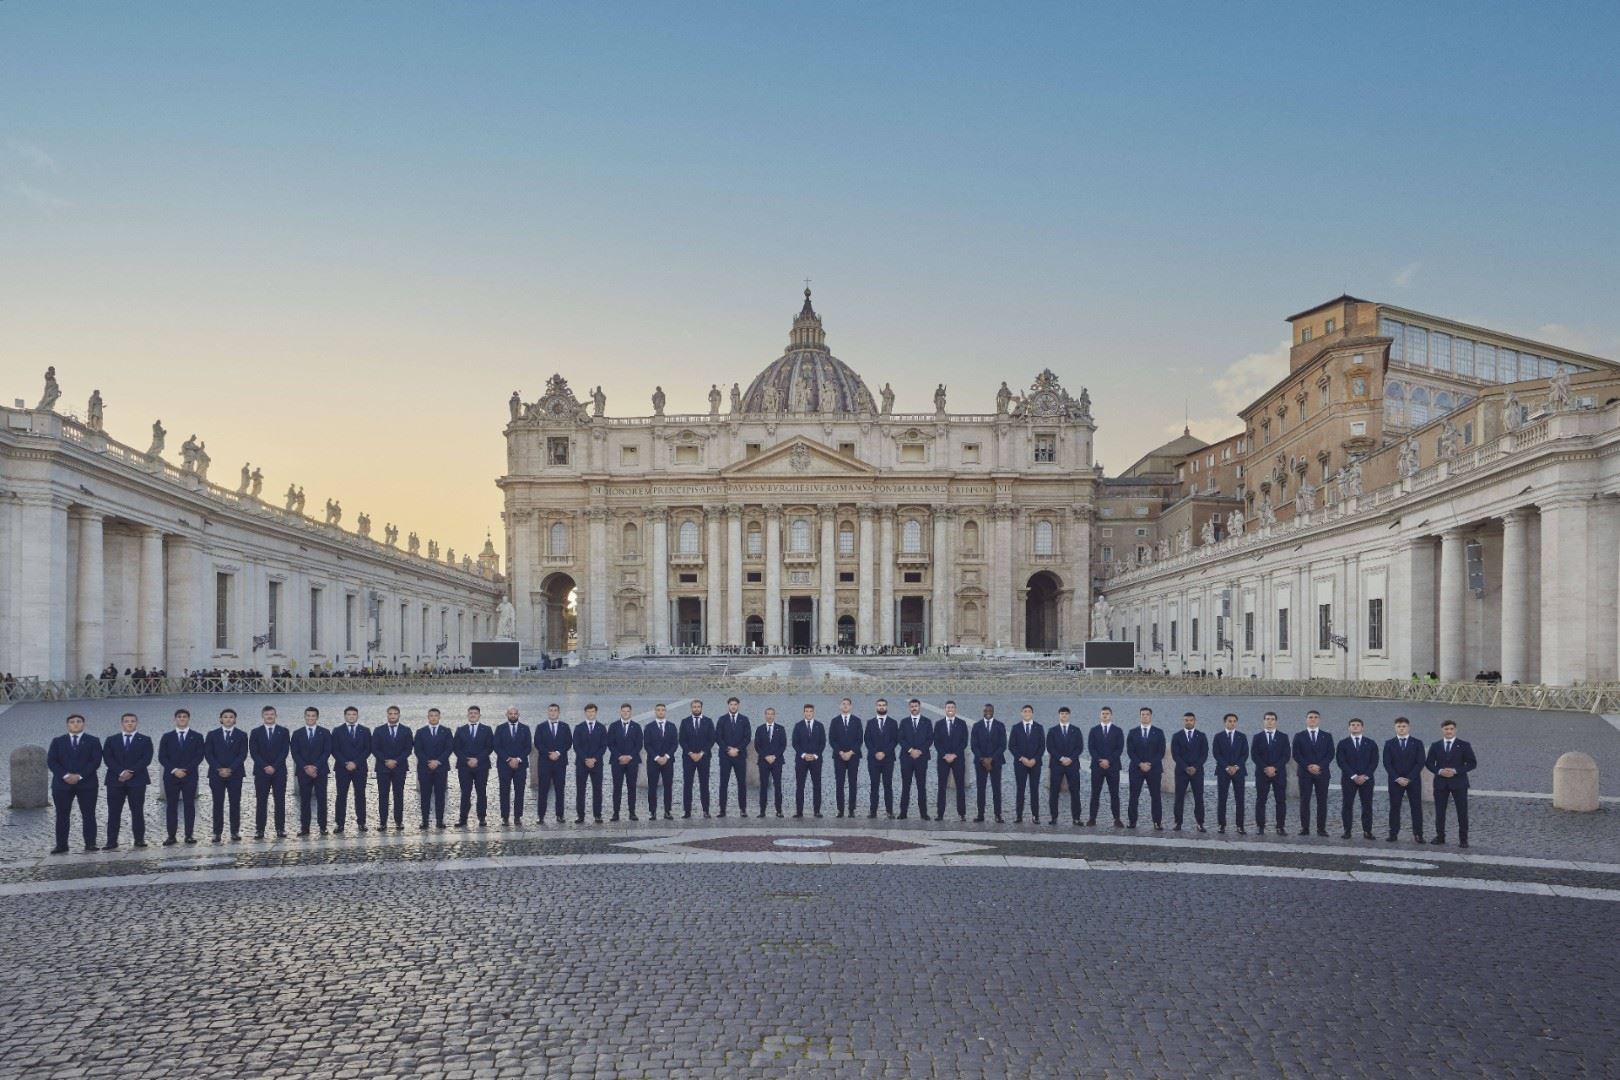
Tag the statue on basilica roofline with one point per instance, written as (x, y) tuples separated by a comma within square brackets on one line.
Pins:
[(1207, 533), (47, 400), (887, 394), (1408, 463), (939, 400), (1003, 399), (258, 483), (93, 411), (598, 401), (1512, 411), (159, 437), (736, 398), (658, 400), (1559, 398), (515, 405), (714, 399), (1234, 523), (188, 455)]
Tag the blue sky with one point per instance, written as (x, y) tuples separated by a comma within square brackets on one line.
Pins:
[(332, 238)]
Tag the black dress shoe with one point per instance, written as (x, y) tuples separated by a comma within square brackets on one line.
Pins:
[(362, 828), (598, 819), (1118, 824), (1000, 820), (109, 847), (1366, 834), (1391, 838), (839, 814), (818, 813), (236, 838), (170, 842), (1178, 826), (518, 822), (1460, 843), (303, 833), (778, 814), (668, 816), (798, 813), (191, 839), (924, 815), (1221, 829), (217, 840), (1159, 826), (1018, 819), (140, 843), (1242, 831), (1201, 828), (705, 813), (873, 814), (633, 816), (1321, 832), (338, 830), (59, 851), (615, 817), (902, 815), (1345, 835), (91, 847), (1130, 825), (723, 813), (961, 817), (1052, 822), (979, 819), (323, 830), (686, 813), (580, 820), (1280, 831)]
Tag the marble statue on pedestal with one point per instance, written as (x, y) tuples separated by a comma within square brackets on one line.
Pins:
[(506, 621), (247, 479), (887, 394), (159, 436), (658, 400), (47, 400), (714, 399), (258, 483), (92, 411)]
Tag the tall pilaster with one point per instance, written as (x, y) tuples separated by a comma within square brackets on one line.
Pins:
[(89, 624), (1453, 579), (660, 578), (1564, 583), (149, 650), (185, 609), (520, 571), (773, 577), (1515, 629), (1079, 558), (939, 632), (886, 576), (1001, 582), (827, 607), (596, 572), (863, 576), (714, 611), (734, 575)]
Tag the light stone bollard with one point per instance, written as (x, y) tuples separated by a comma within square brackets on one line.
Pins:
[(1167, 778), (1575, 783), (30, 779)]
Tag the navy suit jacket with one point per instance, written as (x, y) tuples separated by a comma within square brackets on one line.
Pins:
[(810, 738), (270, 749), (177, 753), (951, 736), (226, 750), (624, 737), (770, 741), (347, 747), (1273, 752), (473, 746), (509, 745), (697, 734), (1317, 751), (1459, 757), (590, 741), (1189, 750), (844, 737), (918, 735), (1231, 748), (1408, 762), (83, 761), (1106, 746), (732, 734), (546, 742), (1062, 743), (1032, 745), (989, 740), (1354, 762), (312, 746), (432, 744), (136, 759), (882, 736), (1149, 749), (395, 747), (661, 745)]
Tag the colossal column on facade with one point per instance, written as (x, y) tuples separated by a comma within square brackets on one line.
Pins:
[(521, 565), (149, 650), (1564, 585), (773, 577), (1412, 576), (1453, 577), (1001, 582), (1515, 596), (89, 627), (184, 603), (715, 611), (886, 576), (863, 577), (1080, 630), (940, 606), (734, 575), (827, 606), (596, 632), (660, 577)]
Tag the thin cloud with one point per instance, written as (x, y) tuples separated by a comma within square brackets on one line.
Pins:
[(45, 200), (1565, 336), (1403, 277), (1234, 389), (37, 157)]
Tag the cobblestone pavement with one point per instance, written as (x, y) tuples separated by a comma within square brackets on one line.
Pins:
[(780, 970)]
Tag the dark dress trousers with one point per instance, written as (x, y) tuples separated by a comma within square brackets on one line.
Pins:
[(433, 743), (1357, 757), (1318, 749), (950, 737), (268, 747), (391, 745), (512, 741), (1405, 757), (697, 737), (74, 756), (1230, 749), (1063, 741), (473, 746), (882, 737), (1460, 756), (1270, 749), (1105, 744), (770, 740), (809, 737), (916, 734), (1189, 750), (661, 739), (132, 753), (624, 740), (844, 736), (1026, 741), (180, 750), (552, 736), (988, 740), (1146, 750), (226, 750), (590, 744), (733, 731), (351, 745), (311, 746)]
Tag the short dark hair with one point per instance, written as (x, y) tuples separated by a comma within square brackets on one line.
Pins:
[(733, 698), (267, 708), (590, 706), (1229, 716), (122, 715), (394, 708), (74, 716), (222, 713), (1353, 720), (1267, 713), (183, 712), (626, 705), (914, 701), (311, 709), (433, 712), (1448, 723), (476, 709), (950, 701), (1145, 709), (1063, 710), (1187, 714), (347, 709), (1313, 712), (1402, 720)]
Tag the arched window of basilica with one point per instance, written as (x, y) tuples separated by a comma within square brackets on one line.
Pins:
[(970, 538), (1442, 404), (686, 540), (558, 542), (846, 539), (799, 536), (756, 540), (1394, 403), (1417, 406), (911, 537), (631, 543), (1043, 537)]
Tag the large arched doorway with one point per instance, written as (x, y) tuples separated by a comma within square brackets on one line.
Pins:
[(1041, 612), (558, 615)]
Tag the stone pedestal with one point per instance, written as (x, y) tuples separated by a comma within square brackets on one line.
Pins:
[(30, 780), (1575, 783), (1167, 779)]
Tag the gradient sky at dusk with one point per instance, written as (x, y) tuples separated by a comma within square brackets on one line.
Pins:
[(331, 239)]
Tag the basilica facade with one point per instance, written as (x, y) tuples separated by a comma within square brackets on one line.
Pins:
[(800, 513)]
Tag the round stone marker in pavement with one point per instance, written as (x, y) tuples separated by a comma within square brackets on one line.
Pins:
[(1575, 783), (30, 779)]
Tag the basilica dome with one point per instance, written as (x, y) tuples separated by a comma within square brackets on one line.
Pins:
[(807, 377)]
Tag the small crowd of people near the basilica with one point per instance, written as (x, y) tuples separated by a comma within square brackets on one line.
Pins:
[(349, 754)]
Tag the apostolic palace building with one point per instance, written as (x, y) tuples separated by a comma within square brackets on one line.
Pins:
[(802, 512)]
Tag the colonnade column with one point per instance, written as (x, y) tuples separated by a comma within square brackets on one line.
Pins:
[(149, 649), (940, 609), (827, 607), (1412, 621), (1515, 596), (660, 578), (596, 518), (185, 606), (89, 626), (1453, 576), (773, 577), (1080, 628), (734, 575), (715, 611), (1564, 585), (886, 576), (1001, 583), (863, 577), (43, 629)]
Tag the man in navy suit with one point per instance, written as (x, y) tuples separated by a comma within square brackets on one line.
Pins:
[(697, 747), (311, 755), (432, 746), (845, 735), (1451, 760), (1063, 746), (951, 744), (590, 751), (770, 746), (180, 754), (391, 753), (1231, 752), (732, 734), (226, 752), (512, 745), (1105, 743), (1027, 741), (73, 760), (916, 739), (268, 746), (989, 740), (1357, 758), (474, 743), (351, 757), (1313, 751), (809, 746), (553, 739), (1145, 749), (1270, 752), (663, 743), (882, 738), (1189, 749), (1404, 758), (127, 756), (624, 758)]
